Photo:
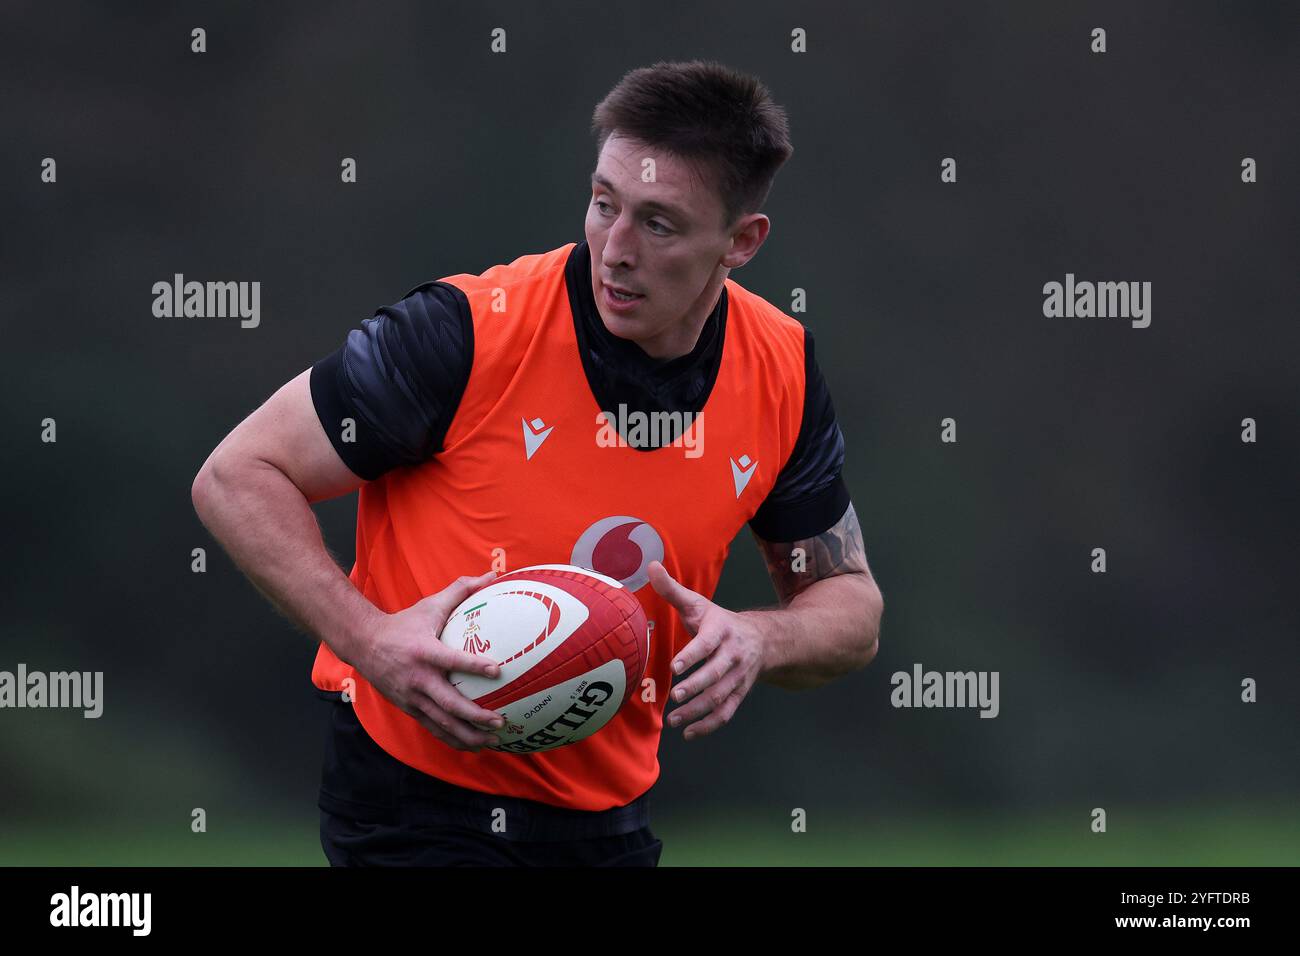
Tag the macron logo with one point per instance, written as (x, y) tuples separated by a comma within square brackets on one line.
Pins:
[(535, 433), (742, 472)]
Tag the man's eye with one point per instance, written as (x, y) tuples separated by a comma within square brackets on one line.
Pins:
[(600, 204), (655, 222)]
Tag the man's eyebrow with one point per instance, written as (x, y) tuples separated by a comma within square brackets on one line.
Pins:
[(598, 180)]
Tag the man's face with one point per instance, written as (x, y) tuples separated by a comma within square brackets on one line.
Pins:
[(662, 239)]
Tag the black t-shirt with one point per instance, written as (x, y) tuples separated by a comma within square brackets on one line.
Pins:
[(401, 376)]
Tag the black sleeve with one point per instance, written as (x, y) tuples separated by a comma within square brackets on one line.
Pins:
[(400, 376), (810, 494)]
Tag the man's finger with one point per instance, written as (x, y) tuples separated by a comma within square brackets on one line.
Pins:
[(697, 649), (445, 658), (708, 700), (461, 708), (706, 675), (687, 602), (720, 715), (462, 588), (428, 724), (464, 731)]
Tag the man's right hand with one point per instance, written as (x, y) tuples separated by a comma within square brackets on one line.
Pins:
[(407, 663)]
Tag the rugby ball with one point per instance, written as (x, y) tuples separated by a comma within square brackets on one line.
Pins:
[(572, 645)]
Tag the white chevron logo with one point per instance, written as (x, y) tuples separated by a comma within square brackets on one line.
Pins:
[(742, 472), (535, 433)]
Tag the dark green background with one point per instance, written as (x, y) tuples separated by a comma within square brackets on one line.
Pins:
[(1119, 690)]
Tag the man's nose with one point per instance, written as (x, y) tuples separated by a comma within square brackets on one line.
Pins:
[(620, 244)]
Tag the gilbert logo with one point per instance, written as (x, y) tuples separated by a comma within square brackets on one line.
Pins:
[(535, 433), (741, 472)]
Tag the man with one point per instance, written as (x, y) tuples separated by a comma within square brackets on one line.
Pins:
[(498, 420)]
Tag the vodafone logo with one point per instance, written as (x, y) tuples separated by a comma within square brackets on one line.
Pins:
[(621, 547)]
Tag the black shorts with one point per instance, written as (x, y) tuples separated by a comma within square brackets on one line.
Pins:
[(377, 811)]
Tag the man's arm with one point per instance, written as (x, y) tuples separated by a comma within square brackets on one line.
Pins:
[(254, 494), (828, 623), (395, 381)]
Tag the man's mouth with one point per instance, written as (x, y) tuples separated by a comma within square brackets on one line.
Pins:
[(621, 294)]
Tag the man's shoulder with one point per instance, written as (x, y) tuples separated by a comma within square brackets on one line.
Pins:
[(531, 267), (759, 315), (765, 327)]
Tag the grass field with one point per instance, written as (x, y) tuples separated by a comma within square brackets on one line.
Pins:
[(1240, 836)]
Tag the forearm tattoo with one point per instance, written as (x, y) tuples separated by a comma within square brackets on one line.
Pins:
[(795, 565)]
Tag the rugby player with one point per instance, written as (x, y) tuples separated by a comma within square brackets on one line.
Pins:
[(496, 420)]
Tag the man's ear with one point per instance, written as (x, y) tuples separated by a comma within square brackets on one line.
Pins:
[(746, 238)]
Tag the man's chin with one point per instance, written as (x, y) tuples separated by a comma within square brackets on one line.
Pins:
[(622, 326)]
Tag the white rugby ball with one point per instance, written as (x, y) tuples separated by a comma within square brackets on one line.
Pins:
[(572, 644)]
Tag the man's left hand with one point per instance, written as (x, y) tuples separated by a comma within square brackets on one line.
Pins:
[(727, 645)]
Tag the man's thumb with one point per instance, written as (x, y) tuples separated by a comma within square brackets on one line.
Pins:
[(462, 588), (666, 587)]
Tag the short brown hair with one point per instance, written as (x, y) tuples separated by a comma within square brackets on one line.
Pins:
[(704, 112)]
